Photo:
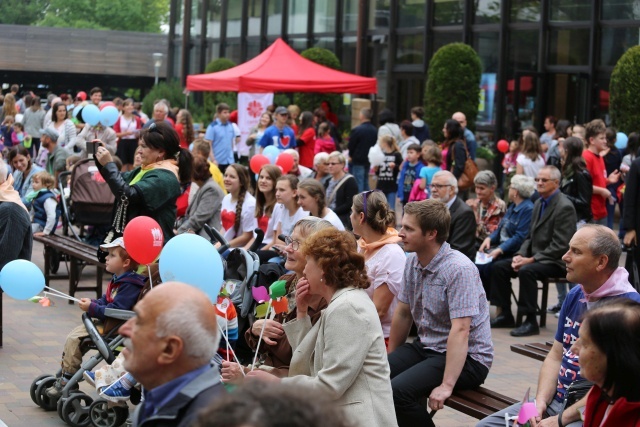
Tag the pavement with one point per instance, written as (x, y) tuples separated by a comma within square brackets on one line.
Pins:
[(34, 336)]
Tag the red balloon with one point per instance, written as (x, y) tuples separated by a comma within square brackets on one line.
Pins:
[(257, 162), (143, 239), (285, 161), (107, 104), (503, 146)]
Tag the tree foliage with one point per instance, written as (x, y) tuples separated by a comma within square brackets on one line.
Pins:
[(311, 101), (452, 85), (624, 89), (211, 99), (171, 91), (22, 12), (118, 15)]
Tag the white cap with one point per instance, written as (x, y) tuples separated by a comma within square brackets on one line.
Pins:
[(119, 242)]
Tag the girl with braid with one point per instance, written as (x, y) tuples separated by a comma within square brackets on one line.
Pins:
[(238, 207)]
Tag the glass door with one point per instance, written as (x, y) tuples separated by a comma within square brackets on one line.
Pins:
[(568, 97), (523, 102)]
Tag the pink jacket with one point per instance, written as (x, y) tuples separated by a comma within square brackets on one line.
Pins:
[(325, 146)]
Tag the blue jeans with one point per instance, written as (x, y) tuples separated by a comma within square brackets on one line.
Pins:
[(391, 199), (361, 174)]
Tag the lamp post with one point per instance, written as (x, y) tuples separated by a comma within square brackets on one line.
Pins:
[(157, 63)]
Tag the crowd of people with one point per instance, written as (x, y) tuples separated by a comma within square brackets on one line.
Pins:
[(434, 245)]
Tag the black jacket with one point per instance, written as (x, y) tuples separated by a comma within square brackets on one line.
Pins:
[(579, 188), (183, 410), (456, 158), (631, 211), (361, 139), (462, 231), (344, 199)]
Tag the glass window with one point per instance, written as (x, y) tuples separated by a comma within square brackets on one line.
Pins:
[(523, 51), (448, 12), (570, 10), (377, 54), (325, 17), (253, 48), (379, 15), (410, 49), (298, 12), (232, 51), (213, 50), (274, 17), (620, 9), (487, 11), (213, 26), (255, 17), (348, 60), (487, 45), (234, 19), (569, 47), (325, 42), (615, 42), (441, 39), (298, 44), (350, 15), (525, 11), (411, 13)]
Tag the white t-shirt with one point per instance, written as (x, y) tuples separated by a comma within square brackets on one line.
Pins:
[(271, 226), (334, 219), (248, 221), (285, 220), (387, 266), (530, 167)]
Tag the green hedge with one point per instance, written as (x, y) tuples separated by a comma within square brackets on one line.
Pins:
[(453, 84), (624, 89), (211, 99), (311, 101)]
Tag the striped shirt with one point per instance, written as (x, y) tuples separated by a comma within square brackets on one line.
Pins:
[(448, 288)]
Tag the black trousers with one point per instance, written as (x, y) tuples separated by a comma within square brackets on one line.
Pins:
[(501, 276), (415, 372)]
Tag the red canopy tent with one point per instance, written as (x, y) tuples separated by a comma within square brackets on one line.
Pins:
[(281, 69)]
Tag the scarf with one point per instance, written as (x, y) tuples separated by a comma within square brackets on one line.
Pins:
[(170, 165), (391, 236), (32, 196), (616, 284), (9, 194)]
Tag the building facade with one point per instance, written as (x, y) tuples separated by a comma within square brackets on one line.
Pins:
[(545, 57)]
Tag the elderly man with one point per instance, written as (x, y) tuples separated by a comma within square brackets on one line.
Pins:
[(57, 155), (298, 170), (472, 145), (168, 349), (592, 260), (553, 222), (462, 232), (160, 113), (443, 295)]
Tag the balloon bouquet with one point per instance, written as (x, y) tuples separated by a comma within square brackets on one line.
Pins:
[(271, 155), (107, 114)]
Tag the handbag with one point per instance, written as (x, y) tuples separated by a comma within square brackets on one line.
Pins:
[(469, 173), (117, 227)]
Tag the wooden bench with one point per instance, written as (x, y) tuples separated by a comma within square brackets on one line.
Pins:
[(80, 255), (534, 350), (478, 403)]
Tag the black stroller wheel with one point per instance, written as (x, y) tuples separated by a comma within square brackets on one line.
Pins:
[(34, 386), (75, 410), (42, 400), (104, 416)]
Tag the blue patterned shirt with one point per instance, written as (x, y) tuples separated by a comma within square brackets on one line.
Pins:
[(448, 288)]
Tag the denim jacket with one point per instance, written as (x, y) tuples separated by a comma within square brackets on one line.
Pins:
[(517, 221)]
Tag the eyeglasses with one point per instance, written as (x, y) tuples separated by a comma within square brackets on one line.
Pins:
[(333, 163), (295, 245), (543, 180), (440, 186), (364, 201)]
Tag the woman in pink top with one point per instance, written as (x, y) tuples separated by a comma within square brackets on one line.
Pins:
[(324, 142)]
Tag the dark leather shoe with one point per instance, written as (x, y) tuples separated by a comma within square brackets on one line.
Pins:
[(527, 329), (503, 321)]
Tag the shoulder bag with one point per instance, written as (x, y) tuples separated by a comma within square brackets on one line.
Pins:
[(469, 173), (117, 228)]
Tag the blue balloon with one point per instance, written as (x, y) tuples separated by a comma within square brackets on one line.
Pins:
[(193, 260), (271, 152), (91, 114), (21, 279), (109, 115), (621, 141), (77, 110)]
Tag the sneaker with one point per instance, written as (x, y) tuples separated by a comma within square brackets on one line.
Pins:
[(557, 315), (55, 391), (90, 378), (554, 308), (116, 392)]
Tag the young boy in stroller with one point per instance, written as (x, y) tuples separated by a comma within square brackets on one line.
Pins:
[(122, 293)]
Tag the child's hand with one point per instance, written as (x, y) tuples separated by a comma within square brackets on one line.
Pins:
[(39, 233), (84, 304)]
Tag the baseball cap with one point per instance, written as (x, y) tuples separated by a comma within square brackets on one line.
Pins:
[(119, 242), (51, 133), (282, 110), (82, 95)]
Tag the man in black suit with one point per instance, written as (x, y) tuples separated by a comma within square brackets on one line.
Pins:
[(553, 223), (631, 217), (462, 231)]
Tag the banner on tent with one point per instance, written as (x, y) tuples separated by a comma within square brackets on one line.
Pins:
[(250, 108)]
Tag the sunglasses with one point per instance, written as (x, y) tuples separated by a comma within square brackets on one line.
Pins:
[(364, 201)]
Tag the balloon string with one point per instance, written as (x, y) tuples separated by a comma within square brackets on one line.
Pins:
[(55, 292), (266, 316), (51, 294), (150, 280)]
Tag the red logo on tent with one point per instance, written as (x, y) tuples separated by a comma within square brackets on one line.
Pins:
[(254, 109), (285, 141)]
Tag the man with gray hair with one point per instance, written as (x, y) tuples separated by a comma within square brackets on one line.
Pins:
[(462, 231), (160, 114), (592, 261), (553, 222), (168, 349)]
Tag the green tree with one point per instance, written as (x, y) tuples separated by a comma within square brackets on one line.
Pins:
[(311, 101), (118, 15), (211, 99), (452, 85), (624, 89), (22, 12), (171, 91)]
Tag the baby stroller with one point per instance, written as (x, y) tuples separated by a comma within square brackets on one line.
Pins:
[(241, 268)]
